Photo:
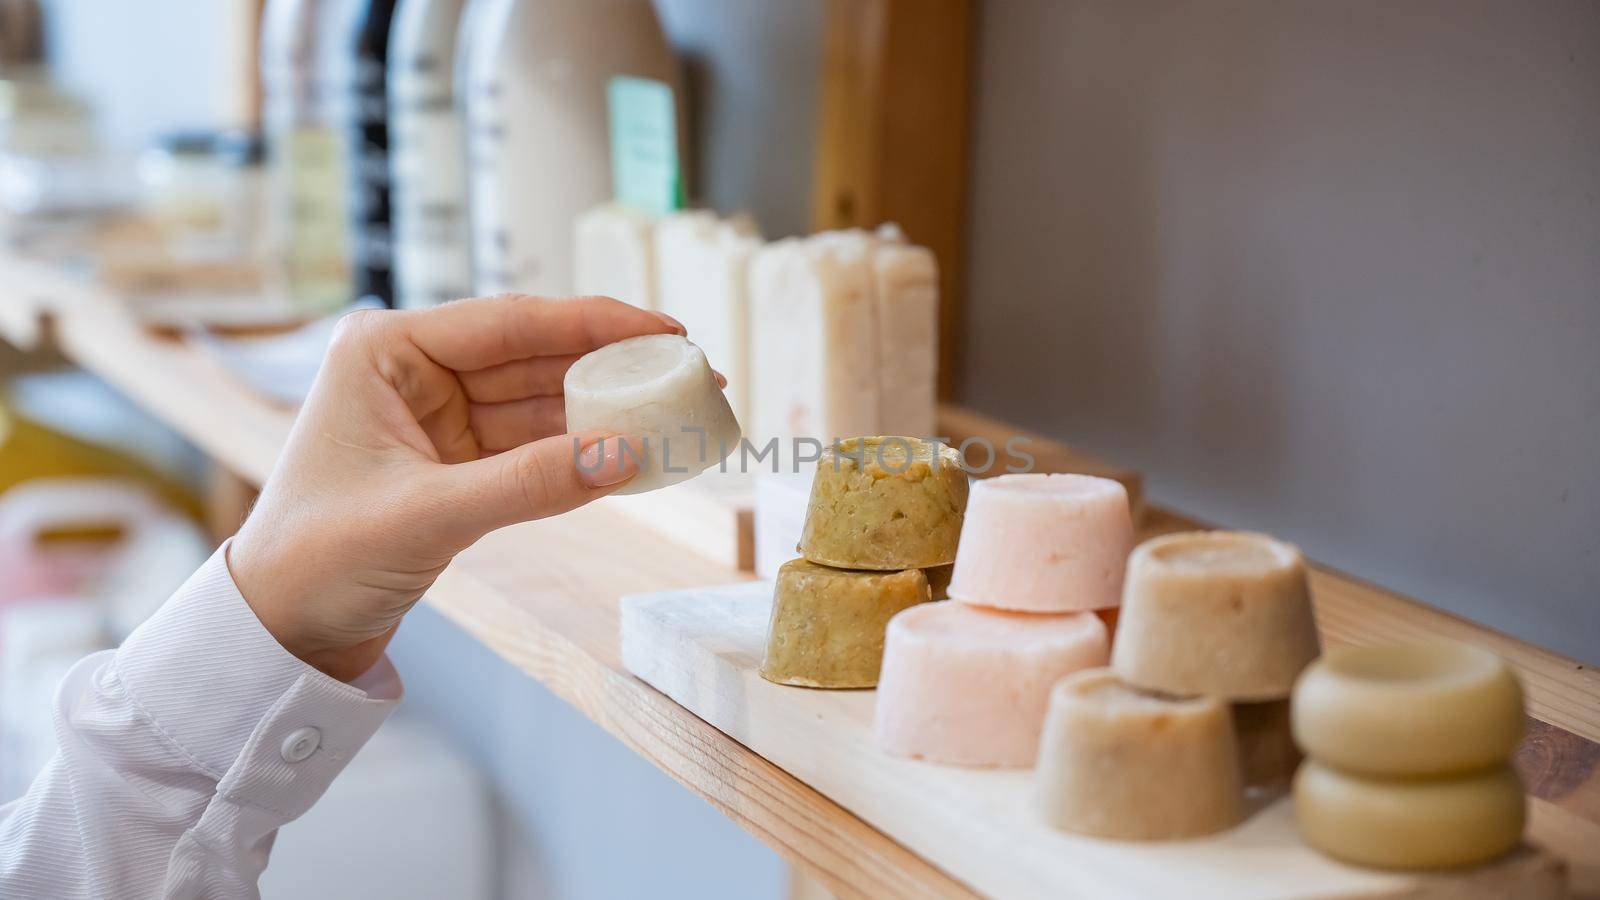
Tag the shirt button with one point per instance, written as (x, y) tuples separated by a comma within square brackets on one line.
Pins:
[(300, 744)]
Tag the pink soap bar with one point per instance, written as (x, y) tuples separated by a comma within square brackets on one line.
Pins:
[(967, 685), (1044, 543)]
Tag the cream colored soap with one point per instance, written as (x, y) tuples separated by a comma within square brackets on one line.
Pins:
[(660, 390), (885, 503), (1120, 762), (1044, 543), (703, 281), (1225, 613), (614, 255), (1410, 823), (906, 289), (1431, 708), (1268, 755), (827, 626), (969, 686), (813, 340)]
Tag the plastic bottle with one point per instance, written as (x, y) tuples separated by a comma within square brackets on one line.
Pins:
[(427, 156), (537, 132), (372, 245), (303, 76)]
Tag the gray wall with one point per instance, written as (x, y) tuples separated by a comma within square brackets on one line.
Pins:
[(1329, 270)]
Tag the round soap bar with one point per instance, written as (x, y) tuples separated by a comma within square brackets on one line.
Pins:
[(885, 503), (658, 389), (1044, 543), (1428, 823), (967, 685), (1120, 762), (827, 624), (1224, 613), (1268, 756), (1431, 708)]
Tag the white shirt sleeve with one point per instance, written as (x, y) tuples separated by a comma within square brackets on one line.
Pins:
[(181, 754)]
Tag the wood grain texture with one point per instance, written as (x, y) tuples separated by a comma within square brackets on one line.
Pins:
[(703, 646), (552, 610), (892, 136)]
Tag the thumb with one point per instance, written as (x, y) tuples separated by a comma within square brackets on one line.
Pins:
[(543, 478)]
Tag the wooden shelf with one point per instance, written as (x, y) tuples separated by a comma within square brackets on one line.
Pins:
[(545, 596)]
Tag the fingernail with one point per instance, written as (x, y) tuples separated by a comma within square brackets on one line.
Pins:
[(722, 380), (607, 461), (674, 323)]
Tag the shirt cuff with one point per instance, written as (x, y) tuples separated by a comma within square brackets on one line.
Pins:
[(215, 682)]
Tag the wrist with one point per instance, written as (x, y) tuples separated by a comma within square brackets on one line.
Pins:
[(281, 604)]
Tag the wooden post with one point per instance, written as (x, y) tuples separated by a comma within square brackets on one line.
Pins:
[(892, 141)]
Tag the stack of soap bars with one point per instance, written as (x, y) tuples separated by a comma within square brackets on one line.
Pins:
[(1410, 748), (884, 513), (1210, 622), (967, 681)]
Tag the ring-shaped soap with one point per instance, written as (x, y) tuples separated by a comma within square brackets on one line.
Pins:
[(1224, 613), (1425, 708), (885, 503), (1044, 543), (969, 686), (1423, 823)]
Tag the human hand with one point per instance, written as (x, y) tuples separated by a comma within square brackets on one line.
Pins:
[(424, 431)]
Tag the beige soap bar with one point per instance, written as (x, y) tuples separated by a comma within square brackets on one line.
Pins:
[(1224, 613), (1410, 824), (885, 503), (827, 627), (813, 341), (906, 288), (1120, 762), (1429, 708), (703, 281), (1268, 756), (614, 255)]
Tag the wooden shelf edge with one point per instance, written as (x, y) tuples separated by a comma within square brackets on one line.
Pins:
[(851, 858)]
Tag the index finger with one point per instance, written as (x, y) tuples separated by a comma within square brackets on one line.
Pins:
[(474, 334)]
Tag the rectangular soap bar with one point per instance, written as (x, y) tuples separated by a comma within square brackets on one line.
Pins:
[(906, 282), (702, 280), (614, 255), (814, 339)]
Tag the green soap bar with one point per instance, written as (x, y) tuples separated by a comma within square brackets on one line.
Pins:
[(828, 624), (885, 503)]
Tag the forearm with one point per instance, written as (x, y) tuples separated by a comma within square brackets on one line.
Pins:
[(181, 754)]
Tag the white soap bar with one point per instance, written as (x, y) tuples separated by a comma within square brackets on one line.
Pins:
[(781, 502), (702, 280), (658, 388), (814, 340), (906, 283), (614, 255)]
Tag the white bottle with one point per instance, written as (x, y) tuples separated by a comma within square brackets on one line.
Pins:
[(537, 133), (304, 75), (427, 153)]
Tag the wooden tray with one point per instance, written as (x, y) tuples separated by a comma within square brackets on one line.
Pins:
[(701, 647)]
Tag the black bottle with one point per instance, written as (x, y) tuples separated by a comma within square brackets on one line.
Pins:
[(372, 251)]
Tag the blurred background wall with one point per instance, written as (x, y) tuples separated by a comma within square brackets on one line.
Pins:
[(1328, 270)]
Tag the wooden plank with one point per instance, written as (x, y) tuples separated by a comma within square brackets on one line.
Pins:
[(544, 596), (892, 135), (702, 647)]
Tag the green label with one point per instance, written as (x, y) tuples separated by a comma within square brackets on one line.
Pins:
[(644, 145)]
